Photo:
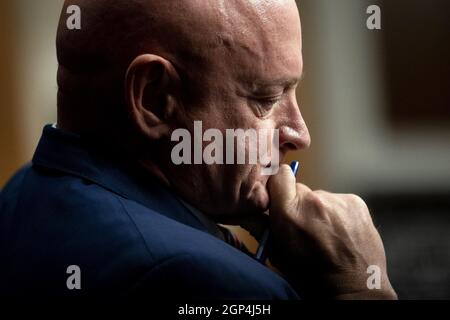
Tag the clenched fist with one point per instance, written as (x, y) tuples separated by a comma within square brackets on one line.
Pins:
[(324, 242)]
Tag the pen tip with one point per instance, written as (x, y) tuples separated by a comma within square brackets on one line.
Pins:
[(295, 166)]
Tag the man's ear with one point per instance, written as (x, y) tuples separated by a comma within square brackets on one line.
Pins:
[(149, 82)]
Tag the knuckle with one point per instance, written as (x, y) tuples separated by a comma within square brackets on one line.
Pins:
[(357, 201), (360, 207), (315, 201), (302, 188), (321, 192)]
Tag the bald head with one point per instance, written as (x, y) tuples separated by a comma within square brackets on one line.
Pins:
[(189, 33), (113, 32), (139, 69)]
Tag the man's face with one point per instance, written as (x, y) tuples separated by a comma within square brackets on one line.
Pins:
[(250, 84)]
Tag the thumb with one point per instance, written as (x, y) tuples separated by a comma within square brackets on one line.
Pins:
[(282, 189)]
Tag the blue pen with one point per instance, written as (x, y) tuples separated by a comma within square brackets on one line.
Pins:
[(261, 254)]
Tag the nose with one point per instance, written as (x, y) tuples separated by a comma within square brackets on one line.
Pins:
[(294, 134)]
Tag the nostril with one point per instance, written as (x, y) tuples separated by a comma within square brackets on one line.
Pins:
[(294, 139), (290, 146)]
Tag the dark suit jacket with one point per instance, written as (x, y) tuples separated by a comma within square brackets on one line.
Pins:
[(127, 233)]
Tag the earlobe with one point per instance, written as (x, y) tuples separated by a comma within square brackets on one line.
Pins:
[(148, 95)]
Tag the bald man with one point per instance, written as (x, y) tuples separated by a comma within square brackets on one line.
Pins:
[(104, 210)]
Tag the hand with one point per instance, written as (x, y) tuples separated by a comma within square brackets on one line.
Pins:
[(324, 242)]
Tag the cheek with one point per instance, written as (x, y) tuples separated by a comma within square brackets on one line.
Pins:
[(258, 196), (237, 114), (251, 180)]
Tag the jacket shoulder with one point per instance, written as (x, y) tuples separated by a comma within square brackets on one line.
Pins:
[(201, 275)]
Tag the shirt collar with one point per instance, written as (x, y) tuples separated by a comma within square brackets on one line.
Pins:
[(212, 227)]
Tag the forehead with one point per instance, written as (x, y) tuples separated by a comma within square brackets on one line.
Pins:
[(263, 44)]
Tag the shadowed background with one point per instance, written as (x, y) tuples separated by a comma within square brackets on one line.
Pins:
[(377, 104)]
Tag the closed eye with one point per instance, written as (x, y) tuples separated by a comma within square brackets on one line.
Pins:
[(265, 105), (268, 103)]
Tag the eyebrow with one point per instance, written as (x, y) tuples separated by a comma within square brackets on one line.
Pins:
[(284, 82), (288, 81)]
